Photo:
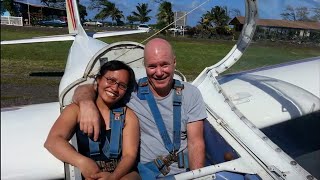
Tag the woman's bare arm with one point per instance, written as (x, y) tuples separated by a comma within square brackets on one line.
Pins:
[(58, 144)]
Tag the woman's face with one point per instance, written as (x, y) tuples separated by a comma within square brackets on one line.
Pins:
[(112, 86)]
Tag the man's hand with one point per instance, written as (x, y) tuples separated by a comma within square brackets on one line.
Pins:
[(89, 119)]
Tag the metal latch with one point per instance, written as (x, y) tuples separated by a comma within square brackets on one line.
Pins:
[(277, 172)]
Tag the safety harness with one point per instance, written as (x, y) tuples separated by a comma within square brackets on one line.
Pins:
[(110, 151), (161, 164)]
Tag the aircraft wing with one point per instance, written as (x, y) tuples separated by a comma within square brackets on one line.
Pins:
[(40, 39), (116, 33), (68, 37), (23, 132), (274, 94)]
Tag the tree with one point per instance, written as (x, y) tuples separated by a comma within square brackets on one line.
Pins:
[(61, 4), (106, 9), (289, 14), (9, 6), (3, 10), (131, 19), (302, 14), (54, 3), (142, 13), (217, 16), (296, 14), (316, 16), (82, 11), (216, 20), (165, 15), (205, 23), (116, 15)]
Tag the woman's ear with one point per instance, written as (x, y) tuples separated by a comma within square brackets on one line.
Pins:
[(96, 83)]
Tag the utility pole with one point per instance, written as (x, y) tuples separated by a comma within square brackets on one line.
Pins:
[(28, 13)]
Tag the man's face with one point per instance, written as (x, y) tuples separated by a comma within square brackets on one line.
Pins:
[(160, 65)]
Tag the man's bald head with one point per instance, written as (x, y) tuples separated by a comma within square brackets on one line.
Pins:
[(156, 46), (160, 64)]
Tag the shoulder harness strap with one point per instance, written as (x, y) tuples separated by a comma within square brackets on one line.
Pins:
[(116, 124), (144, 94), (113, 148)]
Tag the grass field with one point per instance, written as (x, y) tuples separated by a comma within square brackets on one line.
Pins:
[(19, 61)]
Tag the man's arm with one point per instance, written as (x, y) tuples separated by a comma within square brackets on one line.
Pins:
[(89, 117), (196, 146)]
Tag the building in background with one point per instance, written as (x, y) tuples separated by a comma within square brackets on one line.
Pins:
[(33, 13)]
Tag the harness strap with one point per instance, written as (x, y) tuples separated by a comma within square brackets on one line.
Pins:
[(116, 124), (113, 148), (93, 147), (144, 93), (162, 164), (177, 102)]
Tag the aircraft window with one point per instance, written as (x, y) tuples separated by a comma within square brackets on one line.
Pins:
[(299, 138)]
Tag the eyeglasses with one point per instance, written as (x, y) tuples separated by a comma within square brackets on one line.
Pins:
[(113, 81)]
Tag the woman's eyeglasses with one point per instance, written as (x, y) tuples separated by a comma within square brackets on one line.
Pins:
[(113, 81)]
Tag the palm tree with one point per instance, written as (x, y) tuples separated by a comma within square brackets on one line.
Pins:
[(142, 14), (107, 9), (115, 13), (216, 20), (165, 15), (217, 16), (131, 19), (205, 23)]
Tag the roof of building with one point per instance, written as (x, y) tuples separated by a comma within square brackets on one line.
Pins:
[(38, 5), (279, 23)]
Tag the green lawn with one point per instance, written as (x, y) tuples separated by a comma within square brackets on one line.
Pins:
[(193, 55)]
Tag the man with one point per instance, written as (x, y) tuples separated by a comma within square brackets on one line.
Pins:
[(174, 102)]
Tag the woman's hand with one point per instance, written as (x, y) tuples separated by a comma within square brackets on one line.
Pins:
[(102, 176), (88, 167)]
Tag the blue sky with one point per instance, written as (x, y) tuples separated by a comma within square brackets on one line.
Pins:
[(268, 9)]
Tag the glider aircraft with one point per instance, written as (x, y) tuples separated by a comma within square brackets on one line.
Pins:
[(237, 144)]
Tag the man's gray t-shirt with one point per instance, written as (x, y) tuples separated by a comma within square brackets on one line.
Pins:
[(192, 109)]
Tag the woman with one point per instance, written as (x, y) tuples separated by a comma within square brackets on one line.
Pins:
[(112, 157)]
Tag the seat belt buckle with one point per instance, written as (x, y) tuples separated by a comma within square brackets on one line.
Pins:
[(162, 167), (179, 91), (173, 156), (117, 116), (107, 166), (142, 84)]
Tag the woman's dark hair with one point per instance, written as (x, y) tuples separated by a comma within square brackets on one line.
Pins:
[(115, 65)]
